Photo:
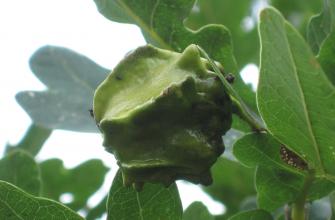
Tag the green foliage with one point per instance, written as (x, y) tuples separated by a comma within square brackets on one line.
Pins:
[(276, 187), (298, 12), (81, 181), (252, 215), (326, 57), (277, 182), (261, 149), (162, 25), (232, 183), (158, 98), (153, 202), (71, 80), (197, 211), (249, 203), (295, 98), (232, 14), (98, 210), (288, 8), (321, 25), (321, 37), (17, 204), (20, 169)]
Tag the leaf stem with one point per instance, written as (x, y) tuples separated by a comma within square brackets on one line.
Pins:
[(243, 110), (298, 207), (32, 141)]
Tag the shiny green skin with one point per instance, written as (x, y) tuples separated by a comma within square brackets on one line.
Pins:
[(162, 115)]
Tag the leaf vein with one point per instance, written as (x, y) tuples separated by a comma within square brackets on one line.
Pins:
[(139, 206), (304, 104)]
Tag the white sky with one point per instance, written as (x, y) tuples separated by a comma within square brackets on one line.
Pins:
[(27, 25)]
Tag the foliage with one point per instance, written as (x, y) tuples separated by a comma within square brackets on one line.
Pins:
[(154, 202), (20, 169), (197, 210), (71, 85), (57, 180), (283, 141), (17, 204)]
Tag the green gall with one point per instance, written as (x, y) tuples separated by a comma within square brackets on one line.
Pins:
[(162, 114)]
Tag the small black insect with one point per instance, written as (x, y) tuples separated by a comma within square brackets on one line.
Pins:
[(91, 112), (92, 115), (292, 158), (230, 78)]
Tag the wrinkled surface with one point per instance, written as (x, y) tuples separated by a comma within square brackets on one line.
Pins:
[(162, 114)]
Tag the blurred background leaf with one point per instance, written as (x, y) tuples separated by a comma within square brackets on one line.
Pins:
[(33, 140), (71, 80), (80, 182), (232, 183), (17, 204), (162, 25), (298, 12), (153, 202), (20, 169), (321, 25), (276, 187), (326, 57), (197, 211), (97, 211), (252, 215), (249, 203), (234, 15)]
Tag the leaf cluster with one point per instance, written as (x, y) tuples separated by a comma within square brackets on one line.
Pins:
[(268, 174)]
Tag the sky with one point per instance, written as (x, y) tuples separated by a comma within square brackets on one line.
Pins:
[(27, 25)]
